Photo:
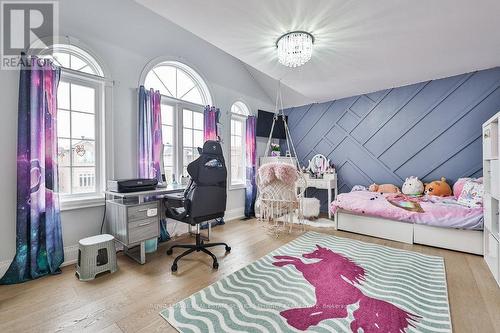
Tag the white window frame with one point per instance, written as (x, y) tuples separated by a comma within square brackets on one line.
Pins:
[(81, 200), (178, 146), (179, 105), (240, 183), (104, 122)]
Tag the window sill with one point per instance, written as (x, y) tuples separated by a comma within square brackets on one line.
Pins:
[(83, 202), (237, 186)]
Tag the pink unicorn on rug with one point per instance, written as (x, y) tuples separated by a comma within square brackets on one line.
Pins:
[(334, 278)]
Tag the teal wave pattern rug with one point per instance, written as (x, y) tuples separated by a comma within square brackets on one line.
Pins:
[(323, 283)]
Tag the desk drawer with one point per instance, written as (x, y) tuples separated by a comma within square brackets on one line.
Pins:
[(141, 212), (142, 230)]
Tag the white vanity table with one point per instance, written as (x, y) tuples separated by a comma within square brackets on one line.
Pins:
[(328, 182)]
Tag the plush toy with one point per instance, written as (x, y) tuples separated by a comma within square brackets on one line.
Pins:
[(384, 188), (412, 186), (438, 188)]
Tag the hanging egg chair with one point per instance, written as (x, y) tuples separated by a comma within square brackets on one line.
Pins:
[(278, 199)]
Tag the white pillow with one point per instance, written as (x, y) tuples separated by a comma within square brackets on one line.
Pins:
[(472, 194)]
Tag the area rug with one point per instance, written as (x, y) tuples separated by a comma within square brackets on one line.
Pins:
[(322, 283)]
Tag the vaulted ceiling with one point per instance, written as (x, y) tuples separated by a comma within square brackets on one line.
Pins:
[(360, 46)]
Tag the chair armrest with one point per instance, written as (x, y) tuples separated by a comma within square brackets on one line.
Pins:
[(173, 203)]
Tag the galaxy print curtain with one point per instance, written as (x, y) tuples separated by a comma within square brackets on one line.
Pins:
[(251, 187), (39, 245), (150, 142), (210, 119)]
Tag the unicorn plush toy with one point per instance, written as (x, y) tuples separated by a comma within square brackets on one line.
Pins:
[(412, 186)]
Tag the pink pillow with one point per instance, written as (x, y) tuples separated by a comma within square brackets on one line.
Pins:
[(459, 185)]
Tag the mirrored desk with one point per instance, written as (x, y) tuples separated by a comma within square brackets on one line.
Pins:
[(134, 217)]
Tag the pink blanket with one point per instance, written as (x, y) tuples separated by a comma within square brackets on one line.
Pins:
[(429, 210)]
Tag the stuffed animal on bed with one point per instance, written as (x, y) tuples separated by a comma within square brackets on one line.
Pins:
[(384, 188), (412, 186), (438, 188)]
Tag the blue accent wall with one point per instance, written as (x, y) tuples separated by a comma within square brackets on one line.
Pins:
[(430, 129)]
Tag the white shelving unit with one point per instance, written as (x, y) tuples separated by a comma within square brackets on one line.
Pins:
[(491, 171)]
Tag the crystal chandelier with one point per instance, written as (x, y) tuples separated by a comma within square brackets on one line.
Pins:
[(295, 48)]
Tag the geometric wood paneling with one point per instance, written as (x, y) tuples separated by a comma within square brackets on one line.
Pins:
[(430, 129)]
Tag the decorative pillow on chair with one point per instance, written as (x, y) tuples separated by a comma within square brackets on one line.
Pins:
[(472, 194)]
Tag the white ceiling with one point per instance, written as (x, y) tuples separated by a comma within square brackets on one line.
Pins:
[(360, 46)]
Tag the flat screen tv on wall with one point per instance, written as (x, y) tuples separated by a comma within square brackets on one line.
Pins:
[(265, 122)]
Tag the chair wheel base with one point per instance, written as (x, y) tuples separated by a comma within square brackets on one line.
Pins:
[(215, 265), (174, 268)]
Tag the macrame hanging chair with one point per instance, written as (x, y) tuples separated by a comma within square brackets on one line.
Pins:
[(278, 200)]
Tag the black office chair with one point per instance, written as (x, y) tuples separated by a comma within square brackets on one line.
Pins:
[(203, 200)]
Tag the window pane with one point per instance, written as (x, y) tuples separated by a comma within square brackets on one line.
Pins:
[(62, 59), (168, 174), (63, 152), (188, 156), (184, 84), (237, 127), (82, 98), (89, 70), (168, 156), (63, 95), (63, 123), (83, 153), (187, 117), (167, 135), (240, 108), (187, 137), (198, 139), (64, 176), (152, 81), (167, 77), (193, 96), (198, 120), (82, 125), (84, 180), (167, 114), (77, 63)]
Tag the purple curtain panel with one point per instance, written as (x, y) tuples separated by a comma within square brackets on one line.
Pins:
[(39, 244)]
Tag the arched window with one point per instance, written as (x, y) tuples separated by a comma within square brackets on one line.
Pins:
[(239, 113), (74, 58), (179, 81), (184, 94), (80, 100)]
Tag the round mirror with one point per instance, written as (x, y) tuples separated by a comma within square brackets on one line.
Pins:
[(318, 164)]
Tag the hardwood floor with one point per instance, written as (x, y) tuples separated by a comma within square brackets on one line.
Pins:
[(130, 299)]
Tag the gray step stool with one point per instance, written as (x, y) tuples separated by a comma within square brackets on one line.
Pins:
[(96, 254)]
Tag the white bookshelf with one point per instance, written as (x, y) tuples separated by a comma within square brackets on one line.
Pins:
[(491, 173)]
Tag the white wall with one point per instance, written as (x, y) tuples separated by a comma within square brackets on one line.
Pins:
[(126, 36)]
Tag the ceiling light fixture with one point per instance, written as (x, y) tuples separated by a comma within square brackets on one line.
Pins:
[(295, 48)]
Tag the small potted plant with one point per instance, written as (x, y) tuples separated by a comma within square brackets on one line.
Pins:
[(275, 150)]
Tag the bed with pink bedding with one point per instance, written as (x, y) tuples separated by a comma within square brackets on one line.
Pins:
[(426, 210)]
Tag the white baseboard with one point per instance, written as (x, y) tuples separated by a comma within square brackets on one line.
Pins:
[(4, 265), (71, 252), (70, 255), (70, 258), (234, 214)]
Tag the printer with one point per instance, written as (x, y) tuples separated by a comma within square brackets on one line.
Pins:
[(132, 185)]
